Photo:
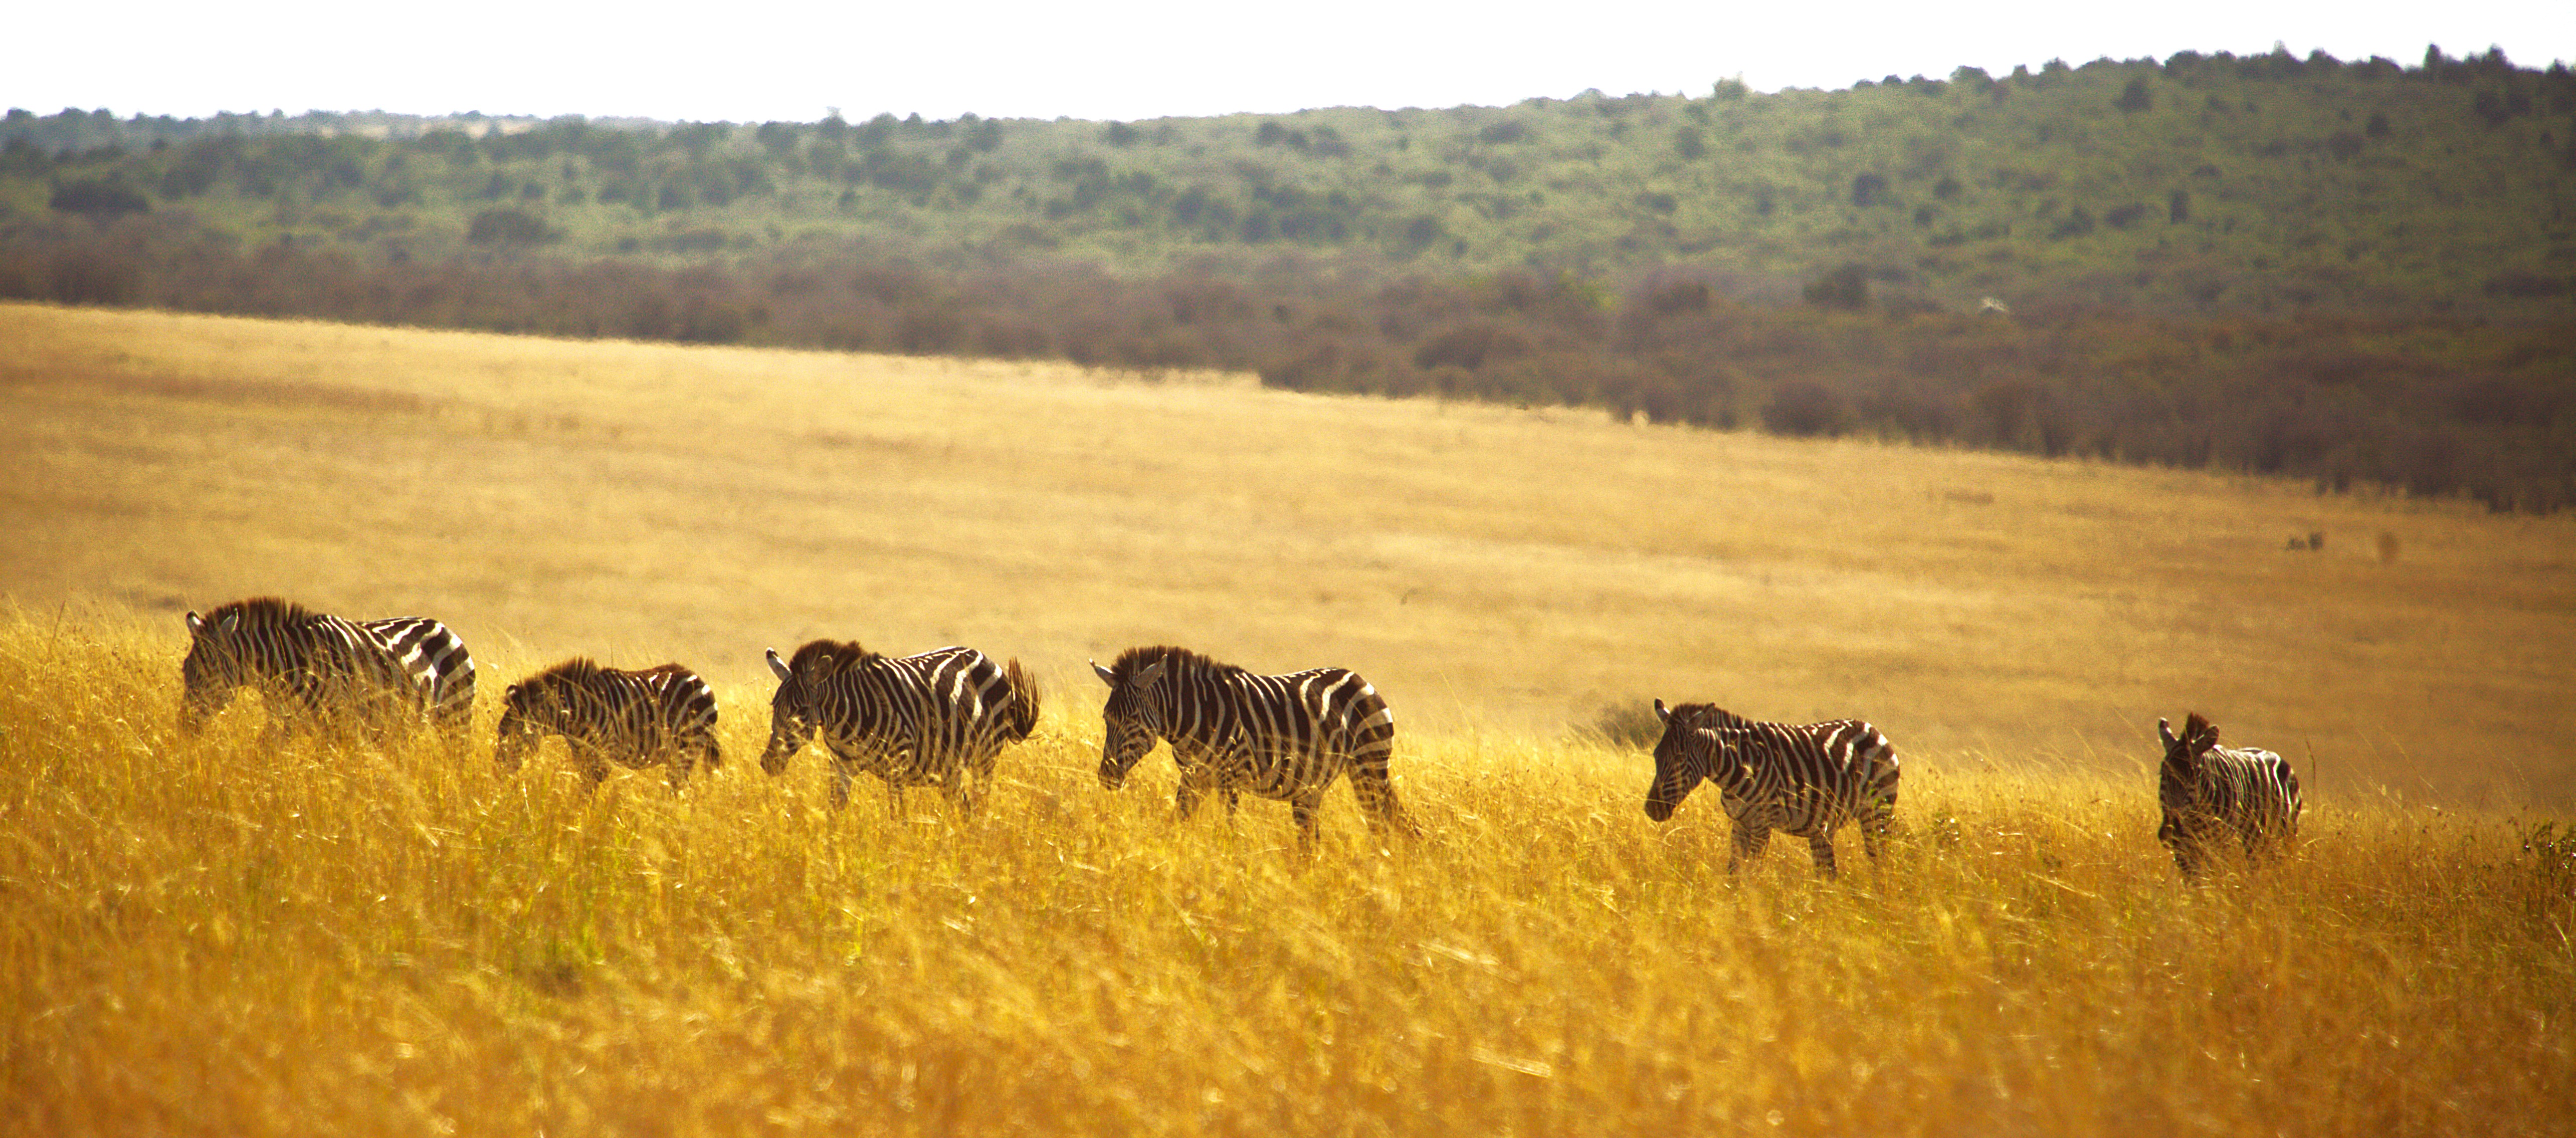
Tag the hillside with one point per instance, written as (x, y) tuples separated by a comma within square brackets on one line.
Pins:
[(1492, 570), (2265, 184), (235, 932)]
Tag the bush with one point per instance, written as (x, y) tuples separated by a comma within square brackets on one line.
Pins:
[(509, 228), (103, 198), (1804, 408), (1845, 288)]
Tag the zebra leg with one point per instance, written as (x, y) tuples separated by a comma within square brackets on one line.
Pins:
[(1749, 842), (1304, 806), (1379, 805), (840, 783), (1822, 846), (680, 762)]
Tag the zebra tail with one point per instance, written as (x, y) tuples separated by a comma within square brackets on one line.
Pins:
[(1021, 718)]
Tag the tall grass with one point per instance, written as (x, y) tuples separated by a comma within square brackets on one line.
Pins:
[(221, 935)]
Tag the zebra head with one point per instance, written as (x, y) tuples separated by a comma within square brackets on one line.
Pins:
[(1681, 761), (791, 714), (2183, 752), (528, 712), (214, 667), (1132, 719)]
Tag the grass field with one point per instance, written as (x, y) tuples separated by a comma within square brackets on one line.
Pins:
[(223, 936)]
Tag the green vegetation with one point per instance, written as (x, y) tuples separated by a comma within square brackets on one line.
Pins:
[(2351, 271), (2267, 183)]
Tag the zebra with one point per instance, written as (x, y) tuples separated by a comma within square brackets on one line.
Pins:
[(375, 670), (664, 714), (931, 719), (1280, 737), (1806, 780), (2209, 792)]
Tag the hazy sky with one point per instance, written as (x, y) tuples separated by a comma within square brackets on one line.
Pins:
[(1130, 59)]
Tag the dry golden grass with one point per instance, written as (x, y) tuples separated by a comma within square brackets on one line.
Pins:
[(213, 936), (1487, 568), (206, 937)]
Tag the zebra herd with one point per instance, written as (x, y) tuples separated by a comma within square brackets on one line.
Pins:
[(939, 719)]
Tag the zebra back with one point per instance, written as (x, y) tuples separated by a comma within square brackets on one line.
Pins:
[(437, 662)]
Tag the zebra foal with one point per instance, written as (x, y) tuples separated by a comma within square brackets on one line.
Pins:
[(931, 719), (1280, 737), (2211, 793), (1806, 780), (665, 714), (321, 666)]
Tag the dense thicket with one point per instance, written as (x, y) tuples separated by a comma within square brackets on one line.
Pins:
[(2347, 271)]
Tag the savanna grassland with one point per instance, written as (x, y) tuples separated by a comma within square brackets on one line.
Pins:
[(240, 934)]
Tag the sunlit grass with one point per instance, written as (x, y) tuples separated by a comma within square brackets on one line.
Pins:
[(1487, 568), (207, 936)]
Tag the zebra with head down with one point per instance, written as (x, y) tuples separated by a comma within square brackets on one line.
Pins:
[(665, 714), (1806, 780), (314, 666), (933, 719)]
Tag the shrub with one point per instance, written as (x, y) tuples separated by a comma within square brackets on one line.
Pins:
[(1845, 288), (509, 228), (1804, 408), (102, 198)]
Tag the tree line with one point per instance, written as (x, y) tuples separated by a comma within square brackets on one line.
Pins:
[(2428, 404)]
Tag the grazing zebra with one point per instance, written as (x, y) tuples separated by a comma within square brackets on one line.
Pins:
[(1281, 737), (926, 720), (2209, 792), (377, 670), (1806, 780), (658, 715)]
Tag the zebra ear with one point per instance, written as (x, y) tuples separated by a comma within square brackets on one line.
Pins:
[(231, 624), (1106, 676), (196, 624), (2164, 729), (1662, 715), (777, 665), (1150, 673)]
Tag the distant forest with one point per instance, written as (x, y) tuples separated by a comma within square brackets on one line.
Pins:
[(2358, 272)]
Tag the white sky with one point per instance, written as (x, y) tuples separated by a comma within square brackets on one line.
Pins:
[(1131, 59)]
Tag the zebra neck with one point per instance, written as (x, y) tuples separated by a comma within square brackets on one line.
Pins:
[(1728, 769)]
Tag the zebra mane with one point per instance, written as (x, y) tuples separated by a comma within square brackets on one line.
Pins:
[(1706, 715), (2198, 725), (829, 657), (1130, 660), (578, 670), (260, 611)]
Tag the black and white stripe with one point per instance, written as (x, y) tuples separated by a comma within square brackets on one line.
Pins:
[(1805, 780), (664, 714), (2211, 793), (1280, 737), (928, 720), (377, 671)]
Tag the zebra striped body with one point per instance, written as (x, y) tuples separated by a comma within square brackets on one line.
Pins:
[(1805, 780), (2212, 793), (1280, 737), (657, 715), (928, 720), (377, 671)]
